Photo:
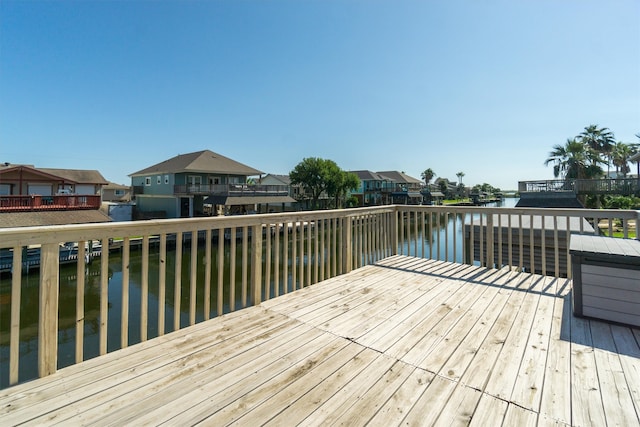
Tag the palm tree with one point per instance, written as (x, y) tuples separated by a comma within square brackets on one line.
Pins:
[(620, 156), (574, 160), (427, 175), (600, 140), (460, 175)]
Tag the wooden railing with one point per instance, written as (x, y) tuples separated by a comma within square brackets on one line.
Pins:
[(622, 186), (265, 256), (238, 190), (48, 203)]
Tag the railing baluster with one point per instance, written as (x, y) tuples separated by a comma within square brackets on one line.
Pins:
[(80, 285), (309, 253), (162, 285), (323, 258), (207, 274), (276, 260), (126, 273), (301, 265), (177, 286), (446, 236), (220, 282), (266, 294), (104, 295), (543, 244), (481, 232), (232, 269), (294, 259), (520, 242), (14, 340), (490, 248), (439, 216), (555, 246), (144, 289), (499, 231), (531, 244), (256, 264), (431, 234), (245, 261), (193, 276), (510, 243)]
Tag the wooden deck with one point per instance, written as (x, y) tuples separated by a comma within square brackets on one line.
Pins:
[(407, 341)]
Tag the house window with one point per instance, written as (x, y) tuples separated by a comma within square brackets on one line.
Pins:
[(159, 180), (166, 179), (194, 182), (147, 181), (119, 192)]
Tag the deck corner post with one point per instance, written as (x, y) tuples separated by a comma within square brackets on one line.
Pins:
[(48, 318), (347, 245), (637, 225), (256, 264)]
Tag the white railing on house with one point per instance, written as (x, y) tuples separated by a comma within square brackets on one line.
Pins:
[(279, 253)]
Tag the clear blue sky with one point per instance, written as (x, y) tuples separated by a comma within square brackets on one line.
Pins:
[(482, 87)]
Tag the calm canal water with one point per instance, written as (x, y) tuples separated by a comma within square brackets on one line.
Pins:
[(67, 300)]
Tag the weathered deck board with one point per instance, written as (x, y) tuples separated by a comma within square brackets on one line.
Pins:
[(404, 342)]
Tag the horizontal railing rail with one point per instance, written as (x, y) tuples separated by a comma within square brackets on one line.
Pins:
[(15, 203), (133, 281), (232, 189)]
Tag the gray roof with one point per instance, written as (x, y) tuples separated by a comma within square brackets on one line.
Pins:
[(635, 157), (78, 176), (285, 179), (366, 175), (115, 186), (200, 162), (26, 219), (400, 177)]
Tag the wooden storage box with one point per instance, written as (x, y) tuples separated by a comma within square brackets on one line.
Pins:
[(606, 278)]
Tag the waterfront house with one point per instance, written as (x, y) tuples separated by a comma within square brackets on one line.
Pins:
[(46, 196), (407, 189), (374, 188), (198, 184), (113, 192)]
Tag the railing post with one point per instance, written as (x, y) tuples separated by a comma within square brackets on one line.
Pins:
[(347, 245), (256, 264), (48, 319)]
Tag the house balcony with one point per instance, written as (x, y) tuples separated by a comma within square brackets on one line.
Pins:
[(621, 186), (33, 203), (231, 190), (392, 315)]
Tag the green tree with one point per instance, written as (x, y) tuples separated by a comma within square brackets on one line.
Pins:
[(574, 160), (427, 175), (460, 175), (620, 156), (310, 175), (600, 141), (339, 182), (317, 176)]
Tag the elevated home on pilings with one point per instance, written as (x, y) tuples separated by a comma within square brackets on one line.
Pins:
[(199, 184), (387, 187)]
